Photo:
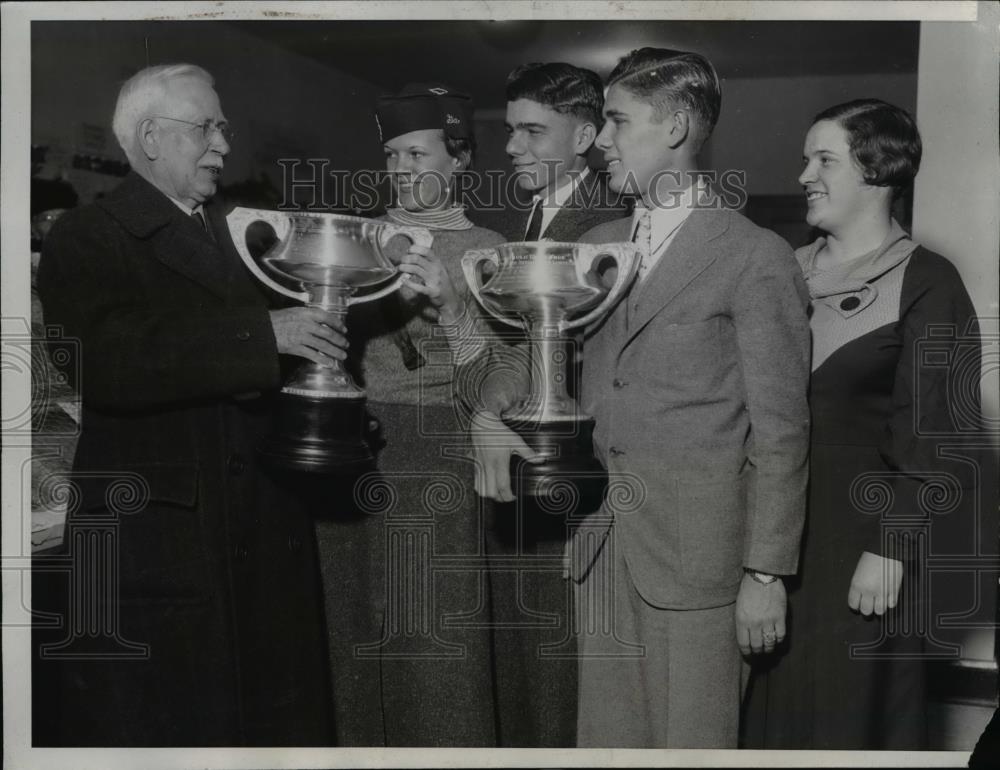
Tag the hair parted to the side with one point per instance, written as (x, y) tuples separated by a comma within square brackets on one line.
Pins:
[(141, 92), (562, 87), (883, 138), (669, 80)]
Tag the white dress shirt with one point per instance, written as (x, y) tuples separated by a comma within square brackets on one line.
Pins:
[(187, 209), (664, 224)]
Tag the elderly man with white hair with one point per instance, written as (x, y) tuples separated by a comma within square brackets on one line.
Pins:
[(211, 630)]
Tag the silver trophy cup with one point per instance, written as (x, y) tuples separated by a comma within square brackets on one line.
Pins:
[(330, 261), (549, 289)]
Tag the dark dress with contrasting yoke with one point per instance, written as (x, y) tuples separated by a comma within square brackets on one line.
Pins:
[(886, 393)]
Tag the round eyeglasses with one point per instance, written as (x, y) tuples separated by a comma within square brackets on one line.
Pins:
[(207, 128)]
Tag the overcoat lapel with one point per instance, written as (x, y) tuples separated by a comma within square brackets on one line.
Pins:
[(689, 254), (190, 252), (176, 241)]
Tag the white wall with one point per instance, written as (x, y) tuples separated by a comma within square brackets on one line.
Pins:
[(957, 195)]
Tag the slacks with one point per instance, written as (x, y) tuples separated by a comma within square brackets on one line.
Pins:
[(652, 677)]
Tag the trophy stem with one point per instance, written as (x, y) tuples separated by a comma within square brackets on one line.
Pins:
[(326, 380), (549, 401), (321, 423), (330, 297)]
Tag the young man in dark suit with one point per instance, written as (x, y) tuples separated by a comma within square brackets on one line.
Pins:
[(213, 558), (553, 114), (697, 382), (553, 111)]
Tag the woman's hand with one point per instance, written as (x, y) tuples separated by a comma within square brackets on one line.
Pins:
[(427, 275), (875, 585)]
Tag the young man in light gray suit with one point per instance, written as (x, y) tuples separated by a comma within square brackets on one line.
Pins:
[(697, 381)]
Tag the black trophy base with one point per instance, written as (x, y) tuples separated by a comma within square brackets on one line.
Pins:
[(319, 435), (569, 451)]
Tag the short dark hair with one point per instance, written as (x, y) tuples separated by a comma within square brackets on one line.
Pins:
[(668, 79), (560, 86), (883, 138), (462, 148)]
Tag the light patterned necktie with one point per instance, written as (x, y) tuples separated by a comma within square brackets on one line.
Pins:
[(642, 238)]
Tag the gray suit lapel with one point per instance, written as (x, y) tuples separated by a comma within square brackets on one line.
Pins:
[(685, 259)]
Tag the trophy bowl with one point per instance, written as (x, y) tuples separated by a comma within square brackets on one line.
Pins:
[(329, 261), (548, 289)]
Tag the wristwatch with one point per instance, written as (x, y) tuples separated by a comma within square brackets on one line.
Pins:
[(761, 577)]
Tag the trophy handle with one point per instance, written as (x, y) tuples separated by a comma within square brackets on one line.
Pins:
[(470, 264), (626, 258), (418, 236), (239, 220)]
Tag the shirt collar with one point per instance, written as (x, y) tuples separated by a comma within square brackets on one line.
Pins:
[(664, 220), (561, 194), (186, 209)]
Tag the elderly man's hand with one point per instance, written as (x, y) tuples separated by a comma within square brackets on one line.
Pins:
[(311, 333), (493, 444)]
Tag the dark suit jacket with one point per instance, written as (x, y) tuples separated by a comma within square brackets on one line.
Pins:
[(697, 381), (216, 568), (592, 204)]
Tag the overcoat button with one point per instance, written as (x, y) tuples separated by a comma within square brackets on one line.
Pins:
[(243, 334), (294, 544), (618, 384), (849, 304)]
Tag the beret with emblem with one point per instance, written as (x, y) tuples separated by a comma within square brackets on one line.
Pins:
[(420, 106)]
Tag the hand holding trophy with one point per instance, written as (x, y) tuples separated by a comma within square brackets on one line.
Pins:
[(334, 261), (537, 286)]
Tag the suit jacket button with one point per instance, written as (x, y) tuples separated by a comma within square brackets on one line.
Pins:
[(618, 384), (243, 335)]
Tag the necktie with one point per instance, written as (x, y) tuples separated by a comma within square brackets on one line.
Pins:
[(198, 217), (535, 225), (642, 238)]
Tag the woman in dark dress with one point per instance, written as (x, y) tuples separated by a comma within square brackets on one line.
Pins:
[(851, 676), (403, 558)]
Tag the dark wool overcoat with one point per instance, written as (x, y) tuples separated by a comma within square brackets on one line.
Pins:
[(209, 560)]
